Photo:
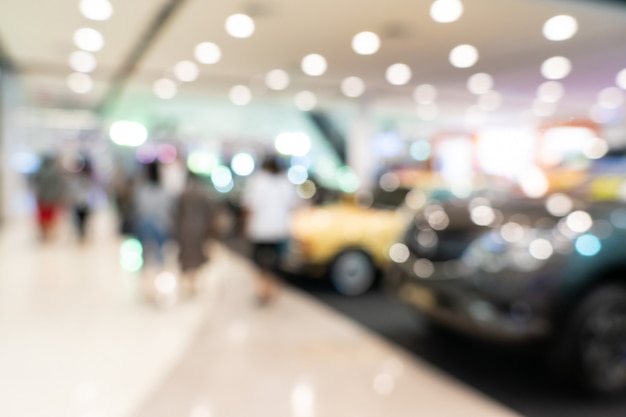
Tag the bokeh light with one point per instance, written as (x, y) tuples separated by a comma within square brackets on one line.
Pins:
[(207, 53), (348, 181), (490, 101), (305, 100), (240, 26), (480, 83), (611, 98), (556, 68), (398, 74), (427, 112), (277, 79), (588, 245), (125, 133), (242, 164), (420, 150), (202, 162), (81, 61), (131, 255), (366, 43), (80, 83), (446, 11), (550, 91), (297, 174), (560, 28), (186, 71), (425, 94), (314, 65), (88, 39), (96, 9), (353, 87), (293, 143), (620, 79), (464, 56), (165, 89), (240, 95)]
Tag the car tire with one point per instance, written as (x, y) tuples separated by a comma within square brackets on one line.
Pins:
[(594, 346), (352, 273)]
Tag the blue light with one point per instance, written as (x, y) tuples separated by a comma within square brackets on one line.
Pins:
[(420, 150), (588, 245)]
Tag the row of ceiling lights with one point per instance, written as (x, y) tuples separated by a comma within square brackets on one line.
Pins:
[(88, 41)]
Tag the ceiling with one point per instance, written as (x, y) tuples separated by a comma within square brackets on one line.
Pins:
[(37, 37)]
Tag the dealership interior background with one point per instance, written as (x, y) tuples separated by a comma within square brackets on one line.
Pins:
[(446, 99)]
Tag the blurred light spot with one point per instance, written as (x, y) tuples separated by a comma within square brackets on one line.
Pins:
[(482, 311), (366, 43), (384, 384), (240, 95), (416, 199), (543, 109), (348, 180), (464, 56), (611, 98), (364, 198), (446, 11), (427, 238), (512, 232), (126, 133), (438, 220), (490, 101), (81, 61), (96, 9), (207, 53), (600, 114), (221, 177), (25, 162), (146, 154), (307, 190), (165, 283), (314, 65), (399, 252), (428, 111), (240, 26), (556, 68), (534, 182), (618, 218), (602, 229), (352, 87), (165, 89), (88, 39), (560, 28), (461, 189), (389, 182), (425, 94), (202, 162), (242, 164), (550, 91), (293, 143), (167, 153), (305, 100), (482, 215), (303, 401), (131, 255), (540, 249), (588, 245), (620, 79), (423, 268), (559, 205), (595, 148), (80, 83), (394, 367), (297, 174), (398, 74), (420, 150), (237, 332), (579, 221), (277, 79), (186, 71), (480, 83)]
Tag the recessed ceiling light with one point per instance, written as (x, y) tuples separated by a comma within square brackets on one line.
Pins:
[(96, 9), (240, 95), (480, 83), (314, 65), (425, 94), (550, 91), (398, 74), (446, 11), (620, 79), (165, 89), (305, 100), (240, 26), (560, 28), (464, 56), (353, 87), (366, 43), (82, 61), (186, 71), (208, 53), (277, 79), (80, 83), (88, 39), (556, 68)]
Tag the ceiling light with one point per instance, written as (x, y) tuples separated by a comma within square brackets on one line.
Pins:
[(305, 100), (446, 11), (186, 71), (398, 74), (82, 61), (208, 53), (277, 79), (425, 94), (464, 56), (240, 95), (620, 79), (352, 87), (128, 133), (611, 98), (96, 9), (595, 148), (240, 26), (490, 101), (427, 111), (314, 65), (480, 83), (556, 68), (88, 39), (165, 89), (366, 43), (560, 28), (550, 91), (80, 83)]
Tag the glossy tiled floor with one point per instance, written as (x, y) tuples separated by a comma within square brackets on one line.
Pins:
[(78, 338)]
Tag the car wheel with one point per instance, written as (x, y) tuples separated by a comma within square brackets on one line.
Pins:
[(598, 333), (352, 273)]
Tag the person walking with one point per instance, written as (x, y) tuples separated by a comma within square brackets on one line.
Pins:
[(268, 200), (83, 193), (49, 188)]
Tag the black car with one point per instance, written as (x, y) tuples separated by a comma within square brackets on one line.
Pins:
[(522, 270)]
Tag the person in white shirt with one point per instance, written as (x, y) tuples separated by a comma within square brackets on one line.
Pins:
[(268, 200)]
